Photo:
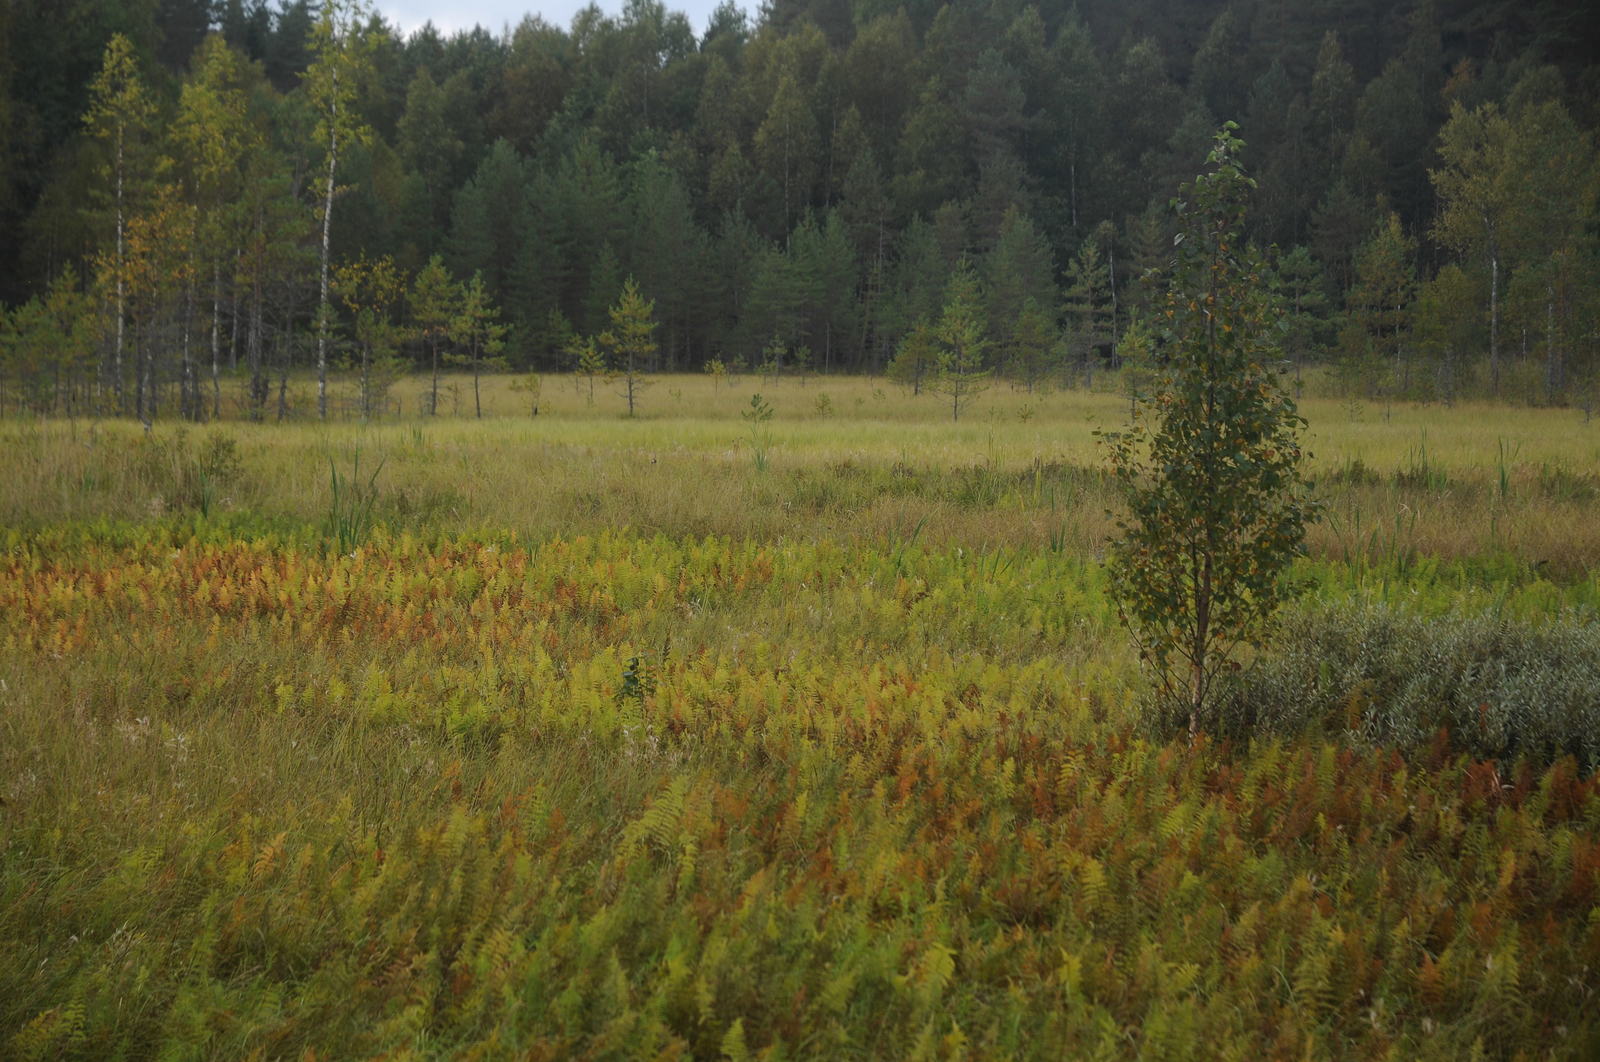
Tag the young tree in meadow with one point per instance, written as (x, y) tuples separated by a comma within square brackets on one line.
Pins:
[(435, 301), (1136, 362), (587, 361), (629, 343), (962, 337), (120, 116), (371, 289), (339, 44), (1029, 350), (916, 359), (476, 328), (1210, 467), (47, 346)]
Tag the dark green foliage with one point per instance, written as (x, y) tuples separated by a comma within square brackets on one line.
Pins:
[(835, 134), (959, 338), (1210, 467)]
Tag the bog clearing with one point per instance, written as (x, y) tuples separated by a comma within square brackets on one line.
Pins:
[(700, 734)]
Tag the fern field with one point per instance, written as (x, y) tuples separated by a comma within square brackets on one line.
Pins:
[(630, 796)]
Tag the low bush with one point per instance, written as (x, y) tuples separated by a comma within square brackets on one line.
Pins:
[(1501, 687)]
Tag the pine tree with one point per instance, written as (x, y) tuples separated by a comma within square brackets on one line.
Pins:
[(1550, 237), (1029, 349), (916, 359), (1018, 270), (435, 303), (476, 327), (588, 361), (1448, 326), (825, 274), (628, 343), (429, 146), (963, 340)]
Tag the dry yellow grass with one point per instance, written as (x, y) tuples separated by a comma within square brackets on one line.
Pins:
[(850, 458)]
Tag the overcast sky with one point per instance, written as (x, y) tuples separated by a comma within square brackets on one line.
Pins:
[(495, 15)]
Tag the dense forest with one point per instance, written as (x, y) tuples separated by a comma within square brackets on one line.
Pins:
[(206, 199)]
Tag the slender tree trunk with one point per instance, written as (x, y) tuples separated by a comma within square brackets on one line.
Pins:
[(1111, 271), (253, 353), (1197, 658), (122, 292), (189, 402), (786, 138), (285, 340), (1494, 313), (433, 402), (1072, 184), (1552, 353), (216, 341), (366, 381), (477, 399), (327, 226), (143, 398), (233, 316)]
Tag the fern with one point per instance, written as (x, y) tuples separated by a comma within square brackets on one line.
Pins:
[(657, 827)]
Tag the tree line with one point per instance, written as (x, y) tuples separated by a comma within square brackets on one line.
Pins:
[(208, 198)]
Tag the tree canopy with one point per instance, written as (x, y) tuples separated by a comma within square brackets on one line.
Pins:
[(813, 174)]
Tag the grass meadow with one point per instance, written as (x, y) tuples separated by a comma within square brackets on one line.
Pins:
[(579, 736)]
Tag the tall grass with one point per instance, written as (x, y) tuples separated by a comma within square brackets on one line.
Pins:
[(1448, 483)]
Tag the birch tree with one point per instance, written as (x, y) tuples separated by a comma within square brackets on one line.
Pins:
[(120, 114), (341, 60), (1475, 187)]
